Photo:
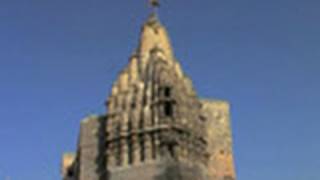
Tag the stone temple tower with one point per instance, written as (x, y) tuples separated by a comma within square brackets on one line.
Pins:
[(156, 127)]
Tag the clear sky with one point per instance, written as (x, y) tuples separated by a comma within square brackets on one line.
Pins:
[(59, 58)]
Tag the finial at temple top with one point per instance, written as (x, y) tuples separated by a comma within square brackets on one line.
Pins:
[(154, 4)]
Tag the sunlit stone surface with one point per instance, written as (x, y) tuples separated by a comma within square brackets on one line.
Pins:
[(156, 127)]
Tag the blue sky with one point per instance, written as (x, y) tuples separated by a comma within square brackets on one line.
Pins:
[(58, 60)]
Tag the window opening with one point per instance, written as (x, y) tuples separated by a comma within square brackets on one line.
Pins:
[(171, 150), (142, 148), (70, 173), (168, 109), (167, 92)]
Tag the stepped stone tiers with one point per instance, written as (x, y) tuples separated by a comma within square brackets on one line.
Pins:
[(156, 127)]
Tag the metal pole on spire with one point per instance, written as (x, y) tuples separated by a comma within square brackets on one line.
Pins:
[(155, 4)]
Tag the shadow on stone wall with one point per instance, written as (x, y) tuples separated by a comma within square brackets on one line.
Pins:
[(178, 172)]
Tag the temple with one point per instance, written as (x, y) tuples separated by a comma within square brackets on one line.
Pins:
[(155, 126)]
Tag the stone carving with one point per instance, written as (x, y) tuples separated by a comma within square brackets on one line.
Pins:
[(155, 128)]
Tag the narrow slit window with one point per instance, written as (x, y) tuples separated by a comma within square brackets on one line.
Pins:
[(133, 105), (167, 92), (142, 149), (168, 109), (129, 126), (171, 150)]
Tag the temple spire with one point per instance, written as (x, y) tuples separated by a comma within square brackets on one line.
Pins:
[(154, 35)]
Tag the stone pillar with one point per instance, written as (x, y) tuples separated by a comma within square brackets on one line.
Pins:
[(136, 150), (135, 116), (153, 146), (142, 147), (147, 117), (124, 152), (148, 147), (111, 155), (157, 144), (134, 69)]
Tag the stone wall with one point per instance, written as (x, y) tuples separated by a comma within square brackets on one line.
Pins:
[(88, 163), (221, 165), (91, 146), (161, 170)]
